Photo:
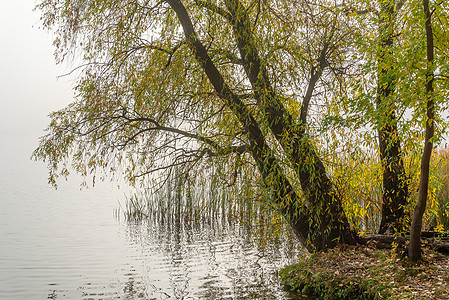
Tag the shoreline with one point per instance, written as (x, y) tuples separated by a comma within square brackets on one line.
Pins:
[(362, 272)]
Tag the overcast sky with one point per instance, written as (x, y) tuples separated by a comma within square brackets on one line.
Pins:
[(29, 88)]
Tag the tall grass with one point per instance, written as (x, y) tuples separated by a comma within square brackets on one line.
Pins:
[(439, 211), (359, 182)]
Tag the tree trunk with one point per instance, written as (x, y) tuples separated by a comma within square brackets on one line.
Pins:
[(414, 250), (394, 179), (395, 186)]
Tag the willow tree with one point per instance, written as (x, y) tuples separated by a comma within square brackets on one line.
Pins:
[(187, 83)]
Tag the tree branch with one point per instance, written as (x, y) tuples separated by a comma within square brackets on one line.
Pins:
[(229, 55), (219, 149), (315, 74), (214, 8), (267, 165)]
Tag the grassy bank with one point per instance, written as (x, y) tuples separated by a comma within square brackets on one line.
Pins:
[(365, 273)]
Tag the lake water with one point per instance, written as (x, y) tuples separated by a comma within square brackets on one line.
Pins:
[(70, 244)]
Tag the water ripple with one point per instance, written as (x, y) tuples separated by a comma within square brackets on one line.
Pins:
[(65, 244)]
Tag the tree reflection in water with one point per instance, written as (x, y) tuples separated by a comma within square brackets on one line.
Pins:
[(215, 257)]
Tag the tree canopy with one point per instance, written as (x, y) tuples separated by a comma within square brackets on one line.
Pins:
[(276, 90)]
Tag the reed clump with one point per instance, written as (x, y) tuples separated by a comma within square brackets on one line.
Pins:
[(189, 202)]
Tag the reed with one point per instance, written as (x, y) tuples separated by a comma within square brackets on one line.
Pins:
[(135, 208), (196, 202)]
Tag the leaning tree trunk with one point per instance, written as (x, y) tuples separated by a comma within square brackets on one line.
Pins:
[(414, 249), (328, 216), (321, 223), (394, 179)]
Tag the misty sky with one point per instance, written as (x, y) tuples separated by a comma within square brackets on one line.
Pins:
[(29, 88)]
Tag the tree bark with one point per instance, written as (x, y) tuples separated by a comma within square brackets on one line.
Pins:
[(414, 249), (329, 219), (394, 179)]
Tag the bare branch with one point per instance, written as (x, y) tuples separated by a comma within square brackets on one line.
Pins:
[(315, 74)]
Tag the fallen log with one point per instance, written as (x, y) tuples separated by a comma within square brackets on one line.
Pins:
[(435, 241)]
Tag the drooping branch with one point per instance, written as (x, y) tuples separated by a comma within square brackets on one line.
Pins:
[(315, 183), (279, 119), (228, 55), (232, 100), (172, 52)]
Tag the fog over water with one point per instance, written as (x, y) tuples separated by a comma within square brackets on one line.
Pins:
[(67, 243), (28, 75)]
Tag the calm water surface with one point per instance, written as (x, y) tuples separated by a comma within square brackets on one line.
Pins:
[(68, 244)]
